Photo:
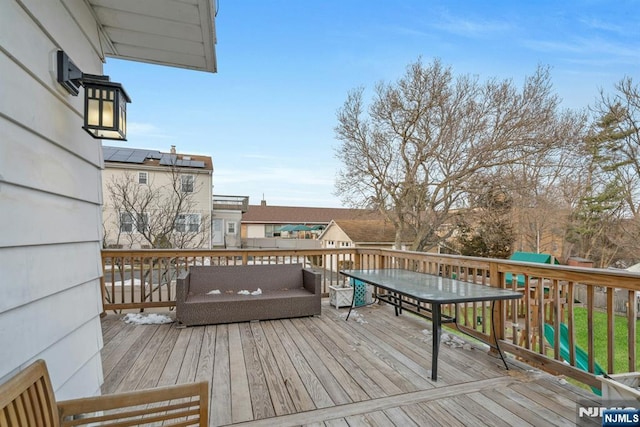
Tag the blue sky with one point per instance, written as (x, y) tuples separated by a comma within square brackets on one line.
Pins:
[(267, 117)]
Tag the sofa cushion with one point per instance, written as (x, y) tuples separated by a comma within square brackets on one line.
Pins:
[(266, 295), (249, 277)]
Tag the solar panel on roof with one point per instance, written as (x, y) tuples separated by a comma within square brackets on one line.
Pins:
[(108, 151), (168, 159), (138, 156), (119, 157)]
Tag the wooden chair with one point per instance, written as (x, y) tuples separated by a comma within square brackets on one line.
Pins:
[(27, 400)]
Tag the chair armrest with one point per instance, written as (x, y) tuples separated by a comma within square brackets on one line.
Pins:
[(175, 402), (311, 281), (182, 286)]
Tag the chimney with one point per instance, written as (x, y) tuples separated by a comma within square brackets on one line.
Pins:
[(263, 202), (173, 149)]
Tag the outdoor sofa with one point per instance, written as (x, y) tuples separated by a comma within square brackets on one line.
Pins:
[(210, 294)]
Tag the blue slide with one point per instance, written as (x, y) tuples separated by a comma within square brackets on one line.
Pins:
[(582, 359)]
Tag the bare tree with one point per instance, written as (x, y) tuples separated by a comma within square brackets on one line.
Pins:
[(543, 192), (416, 152), (623, 110), (486, 228), (606, 221)]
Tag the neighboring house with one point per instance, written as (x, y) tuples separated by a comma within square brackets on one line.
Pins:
[(349, 233), (145, 191), (267, 222), (358, 233), (227, 215), (50, 169)]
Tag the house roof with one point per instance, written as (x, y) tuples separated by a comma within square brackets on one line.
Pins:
[(533, 257), (139, 156), (168, 32), (529, 257), (369, 230), (263, 214)]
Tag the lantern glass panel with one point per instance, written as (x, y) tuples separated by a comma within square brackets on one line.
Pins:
[(93, 112), (107, 114)]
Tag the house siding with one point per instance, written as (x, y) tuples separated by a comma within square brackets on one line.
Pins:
[(50, 199)]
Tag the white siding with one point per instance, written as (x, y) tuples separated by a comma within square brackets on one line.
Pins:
[(255, 231), (50, 197)]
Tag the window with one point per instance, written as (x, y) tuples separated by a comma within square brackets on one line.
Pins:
[(345, 244), (187, 183), (231, 227), (271, 230), (130, 222), (126, 222), (143, 178), (188, 223)]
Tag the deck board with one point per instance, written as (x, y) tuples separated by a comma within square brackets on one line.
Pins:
[(294, 385), (322, 371), (317, 392), (221, 381), (413, 366), (156, 366), (240, 397), (379, 373), (262, 407), (323, 374), (276, 382)]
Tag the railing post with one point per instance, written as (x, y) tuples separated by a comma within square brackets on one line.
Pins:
[(496, 278), (632, 311)]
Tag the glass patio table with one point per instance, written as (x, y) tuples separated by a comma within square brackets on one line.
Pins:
[(430, 289)]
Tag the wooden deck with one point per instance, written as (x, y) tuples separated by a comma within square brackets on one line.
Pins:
[(323, 371)]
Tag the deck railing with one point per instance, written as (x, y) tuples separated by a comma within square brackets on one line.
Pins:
[(541, 328)]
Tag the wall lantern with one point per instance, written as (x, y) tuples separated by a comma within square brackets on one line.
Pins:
[(105, 102)]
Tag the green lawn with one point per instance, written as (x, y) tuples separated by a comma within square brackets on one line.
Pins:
[(621, 363)]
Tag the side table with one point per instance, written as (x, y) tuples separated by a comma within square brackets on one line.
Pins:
[(340, 296)]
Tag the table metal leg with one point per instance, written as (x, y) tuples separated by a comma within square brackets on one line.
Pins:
[(495, 337), (394, 298), (437, 327), (353, 301)]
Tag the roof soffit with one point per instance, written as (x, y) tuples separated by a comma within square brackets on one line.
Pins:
[(166, 32)]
